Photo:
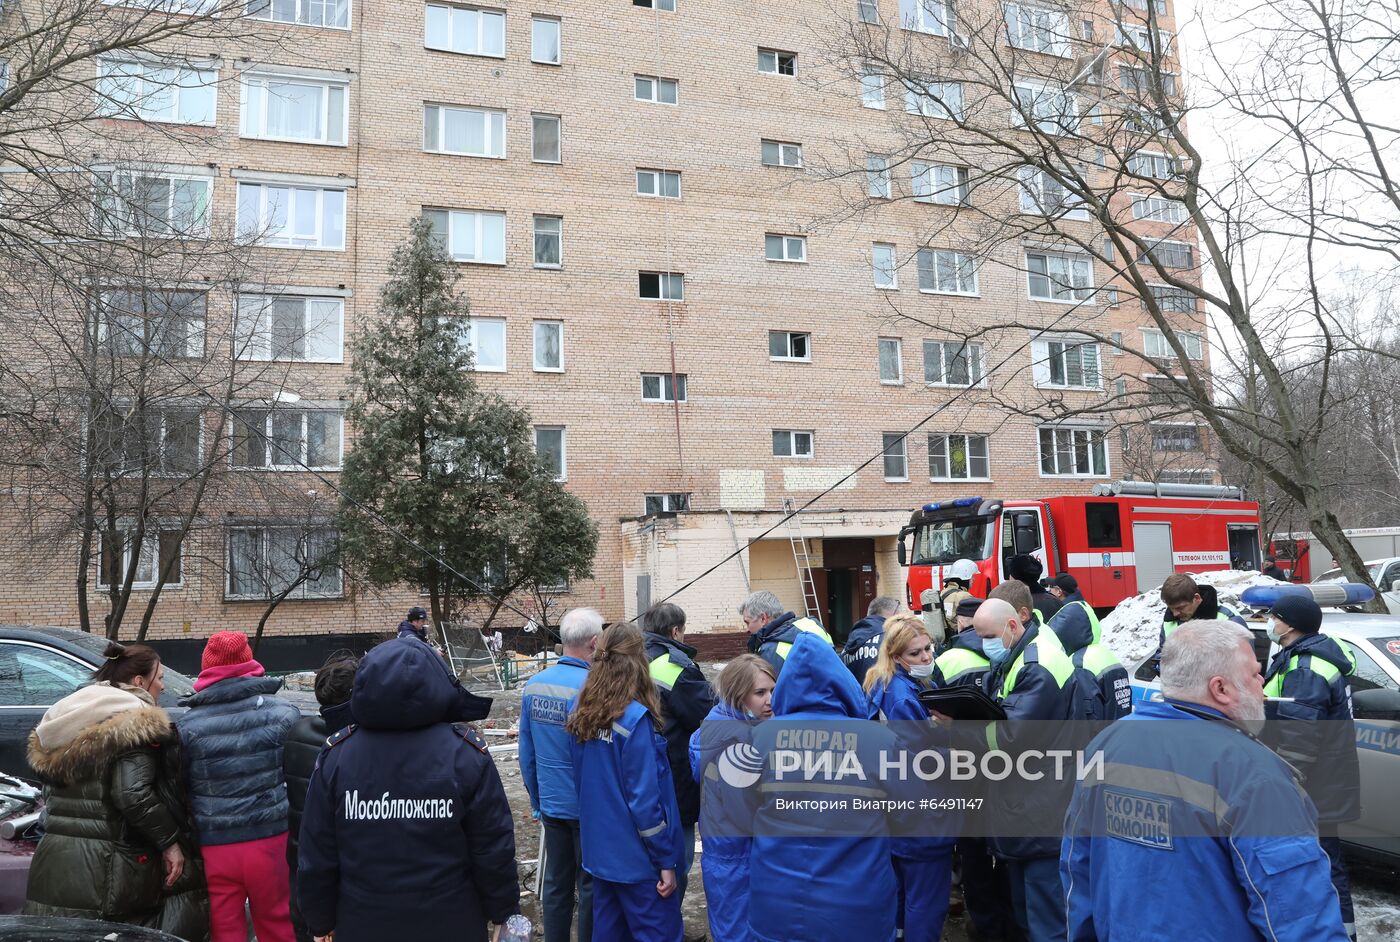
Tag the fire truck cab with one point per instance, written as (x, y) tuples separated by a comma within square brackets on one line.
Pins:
[(1120, 540)]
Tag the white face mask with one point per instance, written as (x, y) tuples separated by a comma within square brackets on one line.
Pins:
[(1275, 632), (921, 670)]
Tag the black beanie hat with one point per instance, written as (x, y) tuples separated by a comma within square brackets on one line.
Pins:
[(1299, 613), (968, 606)]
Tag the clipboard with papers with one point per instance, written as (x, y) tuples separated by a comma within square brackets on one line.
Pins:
[(962, 703)]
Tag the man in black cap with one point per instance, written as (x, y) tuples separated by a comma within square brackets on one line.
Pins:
[(1273, 570), (1028, 569), (1314, 731), (415, 625), (1065, 588), (961, 661)]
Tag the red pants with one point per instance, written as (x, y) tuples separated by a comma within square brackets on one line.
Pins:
[(255, 871)]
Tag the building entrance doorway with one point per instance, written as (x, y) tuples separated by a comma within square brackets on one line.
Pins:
[(848, 567)]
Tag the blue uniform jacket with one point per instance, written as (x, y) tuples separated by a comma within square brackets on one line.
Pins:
[(406, 630), (406, 828), (1195, 808), (817, 886), (764, 642), (863, 645), (1322, 745), (899, 704), (628, 818), (725, 825), (1104, 685), (546, 752)]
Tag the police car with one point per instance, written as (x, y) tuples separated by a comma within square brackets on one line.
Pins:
[(1375, 691)]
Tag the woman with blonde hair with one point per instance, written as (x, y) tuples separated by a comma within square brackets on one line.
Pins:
[(923, 865), (624, 779), (745, 697)]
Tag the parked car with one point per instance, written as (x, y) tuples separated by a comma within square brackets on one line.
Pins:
[(50, 929), (1384, 573), (1375, 692)]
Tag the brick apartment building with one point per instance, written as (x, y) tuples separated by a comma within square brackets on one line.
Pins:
[(658, 269)]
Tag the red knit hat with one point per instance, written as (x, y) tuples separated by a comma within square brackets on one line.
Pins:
[(225, 649)]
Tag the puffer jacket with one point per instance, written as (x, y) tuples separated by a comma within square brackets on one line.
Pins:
[(299, 754), (114, 802), (233, 735)]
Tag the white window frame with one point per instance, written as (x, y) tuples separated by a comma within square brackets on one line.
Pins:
[(894, 445), (304, 464), (1146, 163), (924, 16), (940, 258), (157, 464), (150, 550), (878, 183), (255, 86), (1152, 428), (302, 15), (792, 248), (928, 185), (658, 179), (656, 83), (1070, 344), (974, 353), (663, 381), (563, 473), (301, 592), (1038, 191), (482, 13), (872, 89), (867, 12), (1074, 431), (201, 78), (476, 218), (288, 237), (1174, 248), (1041, 91), (783, 150), (535, 119), (493, 130), (881, 344), (1138, 36), (947, 455), (889, 272), (1149, 208), (1073, 259), (558, 234), (1180, 297), (473, 339), (122, 180), (254, 341), (792, 440), (1155, 346), (558, 24), (536, 346), (665, 281), (152, 323), (776, 57), (931, 99), (665, 6), (790, 357), (665, 501), (1027, 28)]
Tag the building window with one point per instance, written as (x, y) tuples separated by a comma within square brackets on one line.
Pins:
[(788, 443), (291, 216), (944, 184), (1044, 105), (667, 5), (1055, 276), (867, 11), (891, 361), (549, 241), (872, 89), (549, 445), (285, 108), (1139, 37), (468, 30), (1159, 6), (159, 549), (544, 40), (782, 154), (958, 458), (790, 345), (266, 562), (287, 439), (1157, 166), (925, 16), (666, 504), (549, 346), (883, 263), (661, 285), (486, 339), (546, 144), (943, 271), (470, 236), (148, 441), (152, 204), (1157, 209), (664, 184), (877, 176), (784, 248), (1139, 80), (1172, 300), (1185, 476), (333, 14), (154, 91), (775, 62), (935, 100), (952, 363), (1043, 195), (470, 132), (138, 322), (1073, 452), (1037, 29), (1065, 363), (896, 460), (663, 387), (1172, 437), (663, 91), (1154, 344), (1168, 254), (290, 327)]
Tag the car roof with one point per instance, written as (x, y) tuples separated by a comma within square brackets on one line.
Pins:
[(70, 638), (1361, 624)]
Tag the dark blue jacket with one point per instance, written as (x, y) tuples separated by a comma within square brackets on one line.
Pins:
[(1196, 831), (726, 822), (406, 828), (233, 735), (300, 753), (810, 885), (406, 630), (773, 640), (686, 698), (863, 645), (1105, 689), (962, 662), (628, 819), (1315, 731), (546, 748)]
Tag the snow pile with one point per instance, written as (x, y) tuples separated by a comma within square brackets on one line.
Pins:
[(1132, 629)]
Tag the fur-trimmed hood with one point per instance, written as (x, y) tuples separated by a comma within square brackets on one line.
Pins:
[(87, 730)]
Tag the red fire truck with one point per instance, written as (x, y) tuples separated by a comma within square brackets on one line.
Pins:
[(1122, 539)]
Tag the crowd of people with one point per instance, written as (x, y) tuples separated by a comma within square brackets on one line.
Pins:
[(385, 817)]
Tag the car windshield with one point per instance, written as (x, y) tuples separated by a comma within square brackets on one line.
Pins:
[(176, 683), (949, 540)]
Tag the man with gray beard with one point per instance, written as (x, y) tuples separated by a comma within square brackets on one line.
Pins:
[(1195, 829)]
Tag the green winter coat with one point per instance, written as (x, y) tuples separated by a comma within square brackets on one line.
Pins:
[(114, 802)]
